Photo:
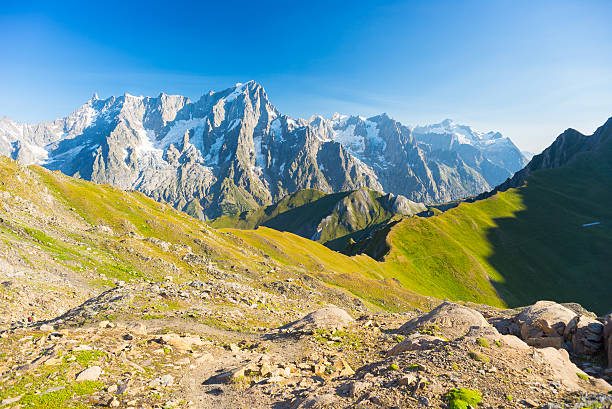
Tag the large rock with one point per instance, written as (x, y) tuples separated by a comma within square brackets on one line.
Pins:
[(586, 334), (181, 343), (566, 372), (90, 374), (607, 333), (317, 402), (491, 334), (416, 342), (544, 318), (514, 342), (330, 317), (449, 320)]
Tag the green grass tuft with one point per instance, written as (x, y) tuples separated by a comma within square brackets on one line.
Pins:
[(462, 398)]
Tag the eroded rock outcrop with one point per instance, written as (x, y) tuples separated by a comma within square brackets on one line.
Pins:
[(449, 319), (330, 317)]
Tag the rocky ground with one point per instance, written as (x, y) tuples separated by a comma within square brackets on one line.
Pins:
[(158, 311), (224, 344)]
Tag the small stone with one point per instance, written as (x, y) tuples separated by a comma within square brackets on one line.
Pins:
[(46, 327), (90, 374), (206, 357), (407, 380), (165, 380), (114, 402), (357, 388), (106, 324), (9, 401)]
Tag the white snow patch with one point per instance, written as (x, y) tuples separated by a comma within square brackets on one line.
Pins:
[(277, 130), (234, 124), (213, 154), (177, 132), (260, 160), (40, 154), (239, 89)]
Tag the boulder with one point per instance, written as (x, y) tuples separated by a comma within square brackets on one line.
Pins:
[(330, 317), (545, 342), (544, 318), (448, 319), (317, 402), (489, 333), (515, 342), (46, 327), (90, 374), (586, 334), (416, 342), (567, 373), (607, 335), (181, 343)]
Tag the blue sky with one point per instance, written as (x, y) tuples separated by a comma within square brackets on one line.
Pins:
[(529, 69)]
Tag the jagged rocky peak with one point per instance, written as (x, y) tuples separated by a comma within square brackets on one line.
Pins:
[(567, 147), (233, 150)]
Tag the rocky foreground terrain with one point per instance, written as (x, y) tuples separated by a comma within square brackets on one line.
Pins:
[(221, 343), (137, 305)]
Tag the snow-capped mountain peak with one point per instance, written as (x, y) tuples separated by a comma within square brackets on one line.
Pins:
[(232, 150)]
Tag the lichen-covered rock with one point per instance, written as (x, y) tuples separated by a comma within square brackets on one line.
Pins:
[(449, 320)]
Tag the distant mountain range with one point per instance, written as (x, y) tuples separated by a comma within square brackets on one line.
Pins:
[(233, 151)]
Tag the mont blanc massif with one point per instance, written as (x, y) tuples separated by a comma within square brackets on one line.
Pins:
[(233, 151), (158, 252)]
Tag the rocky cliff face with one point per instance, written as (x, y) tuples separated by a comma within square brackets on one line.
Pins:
[(232, 151)]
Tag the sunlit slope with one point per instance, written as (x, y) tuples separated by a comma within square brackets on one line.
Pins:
[(102, 234), (375, 281), (335, 219), (529, 240)]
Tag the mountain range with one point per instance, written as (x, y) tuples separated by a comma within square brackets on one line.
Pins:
[(233, 151)]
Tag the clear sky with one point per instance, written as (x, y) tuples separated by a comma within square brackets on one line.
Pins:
[(529, 69)]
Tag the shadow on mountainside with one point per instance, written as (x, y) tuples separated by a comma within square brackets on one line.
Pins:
[(544, 251)]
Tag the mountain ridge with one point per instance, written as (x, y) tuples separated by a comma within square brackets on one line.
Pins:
[(232, 150)]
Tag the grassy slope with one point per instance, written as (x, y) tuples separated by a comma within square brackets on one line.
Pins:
[(528, 240), (127, 255), (361, 275), (302, 212), (289, 214)]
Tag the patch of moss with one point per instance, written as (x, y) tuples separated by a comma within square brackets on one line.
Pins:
[(393, 367), (462, 398), (477, 356), (582, 376), (85, 357), (483, 342)]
